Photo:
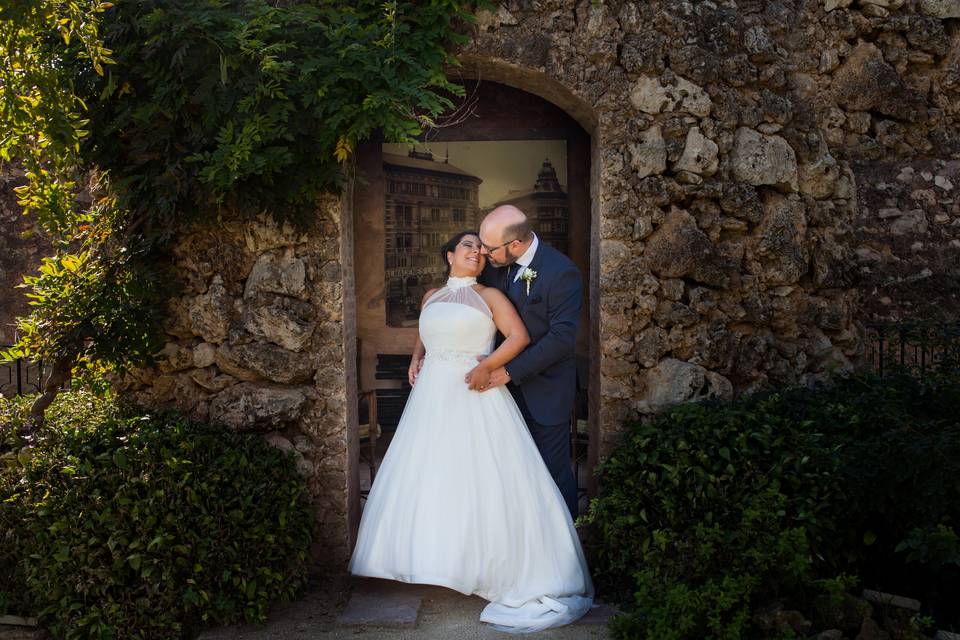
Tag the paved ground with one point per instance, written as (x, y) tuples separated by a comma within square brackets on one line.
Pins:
[(380, 610)]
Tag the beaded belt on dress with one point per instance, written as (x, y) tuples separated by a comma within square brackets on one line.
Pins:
[(459, 357)]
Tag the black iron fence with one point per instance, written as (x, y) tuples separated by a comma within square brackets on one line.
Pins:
[(919, 347), (20, 377)]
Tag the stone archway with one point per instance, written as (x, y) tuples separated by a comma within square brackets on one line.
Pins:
[(360, 216)]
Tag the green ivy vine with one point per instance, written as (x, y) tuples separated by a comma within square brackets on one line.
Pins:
[(173, 114)]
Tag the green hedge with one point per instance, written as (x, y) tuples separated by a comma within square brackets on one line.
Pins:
[(711, 510), (127, 523)]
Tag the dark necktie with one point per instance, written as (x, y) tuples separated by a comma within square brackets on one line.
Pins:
[(508, 278), (514, 284)]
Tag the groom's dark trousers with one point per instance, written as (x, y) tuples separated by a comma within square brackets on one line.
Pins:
[(543, 376), (553, 441)]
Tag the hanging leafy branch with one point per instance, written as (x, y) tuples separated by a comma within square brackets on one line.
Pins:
[(174, 114), (42, 128)]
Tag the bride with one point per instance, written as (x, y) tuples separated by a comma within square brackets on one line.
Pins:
[(463, 499)]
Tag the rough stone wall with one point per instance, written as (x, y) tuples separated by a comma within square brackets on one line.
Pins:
[(255, 342), (886, 93), (21, 247), (908, 240), (728, 210)]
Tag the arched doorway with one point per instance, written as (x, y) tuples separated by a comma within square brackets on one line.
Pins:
[(405, 203)]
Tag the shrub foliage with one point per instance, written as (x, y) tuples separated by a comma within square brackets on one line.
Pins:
[(711, 510), (133, 524)]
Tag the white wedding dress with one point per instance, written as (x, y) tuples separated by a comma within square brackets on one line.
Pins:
[(463, 498)]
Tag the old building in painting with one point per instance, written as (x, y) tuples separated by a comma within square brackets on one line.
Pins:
[(546, 205), (425, 202)]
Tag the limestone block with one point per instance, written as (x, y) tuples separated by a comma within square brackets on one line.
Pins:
[(265, 235), (779, 254), (267, 361), (175, 358), (210, 312), (699, 154), (650, 346), (940, 8), (284, 322), (890, 600), (277, 273), (678, 249), (651, 96), (613, 253), (210, 379), (176, 321), (866, 82), (760, 45), (740, 201), (204, 355), (875, 11), (616, 388), (643, 51), (830, 5), (759, 159), (649, 154), (675, 381), (304, 467), (642, 227), (913, 221), (487, 20), (249, 407), (818, 178)]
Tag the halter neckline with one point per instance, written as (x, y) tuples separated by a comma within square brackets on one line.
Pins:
[(459, 283)]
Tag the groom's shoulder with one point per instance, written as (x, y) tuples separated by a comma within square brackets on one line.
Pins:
[(558, 261)]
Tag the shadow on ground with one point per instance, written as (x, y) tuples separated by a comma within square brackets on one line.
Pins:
[(345, 607)]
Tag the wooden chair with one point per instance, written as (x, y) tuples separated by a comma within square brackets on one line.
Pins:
[(380, 408), (391, 400), (369, 430)]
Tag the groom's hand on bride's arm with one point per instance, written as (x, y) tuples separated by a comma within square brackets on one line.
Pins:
[(498, 377)]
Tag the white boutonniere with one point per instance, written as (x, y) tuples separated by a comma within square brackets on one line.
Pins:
[(527, 275)]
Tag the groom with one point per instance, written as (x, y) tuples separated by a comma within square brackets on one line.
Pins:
[(544, 285)]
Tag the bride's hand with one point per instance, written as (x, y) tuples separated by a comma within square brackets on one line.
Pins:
[(479, 377), (498, 377), (414, 370)]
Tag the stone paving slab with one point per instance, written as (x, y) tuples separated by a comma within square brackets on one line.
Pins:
[(376, 603), (18, 621), (19, 632), (599, 615)]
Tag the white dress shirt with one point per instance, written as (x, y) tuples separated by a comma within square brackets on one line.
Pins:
[(527, 257)]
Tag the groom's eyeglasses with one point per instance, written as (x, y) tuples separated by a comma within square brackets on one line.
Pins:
[(492, 249)]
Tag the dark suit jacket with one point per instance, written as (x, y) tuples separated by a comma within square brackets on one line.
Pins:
[(545, 372)]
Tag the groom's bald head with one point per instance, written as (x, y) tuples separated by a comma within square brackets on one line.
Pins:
[(505, 234), (503, 224)]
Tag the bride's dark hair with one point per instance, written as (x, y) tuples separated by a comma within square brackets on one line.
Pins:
[(451, 245)]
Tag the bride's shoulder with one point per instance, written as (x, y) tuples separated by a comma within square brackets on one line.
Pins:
[(489, 293), (427, 295)]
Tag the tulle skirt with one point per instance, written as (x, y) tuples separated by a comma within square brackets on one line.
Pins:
[(464, 500)]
